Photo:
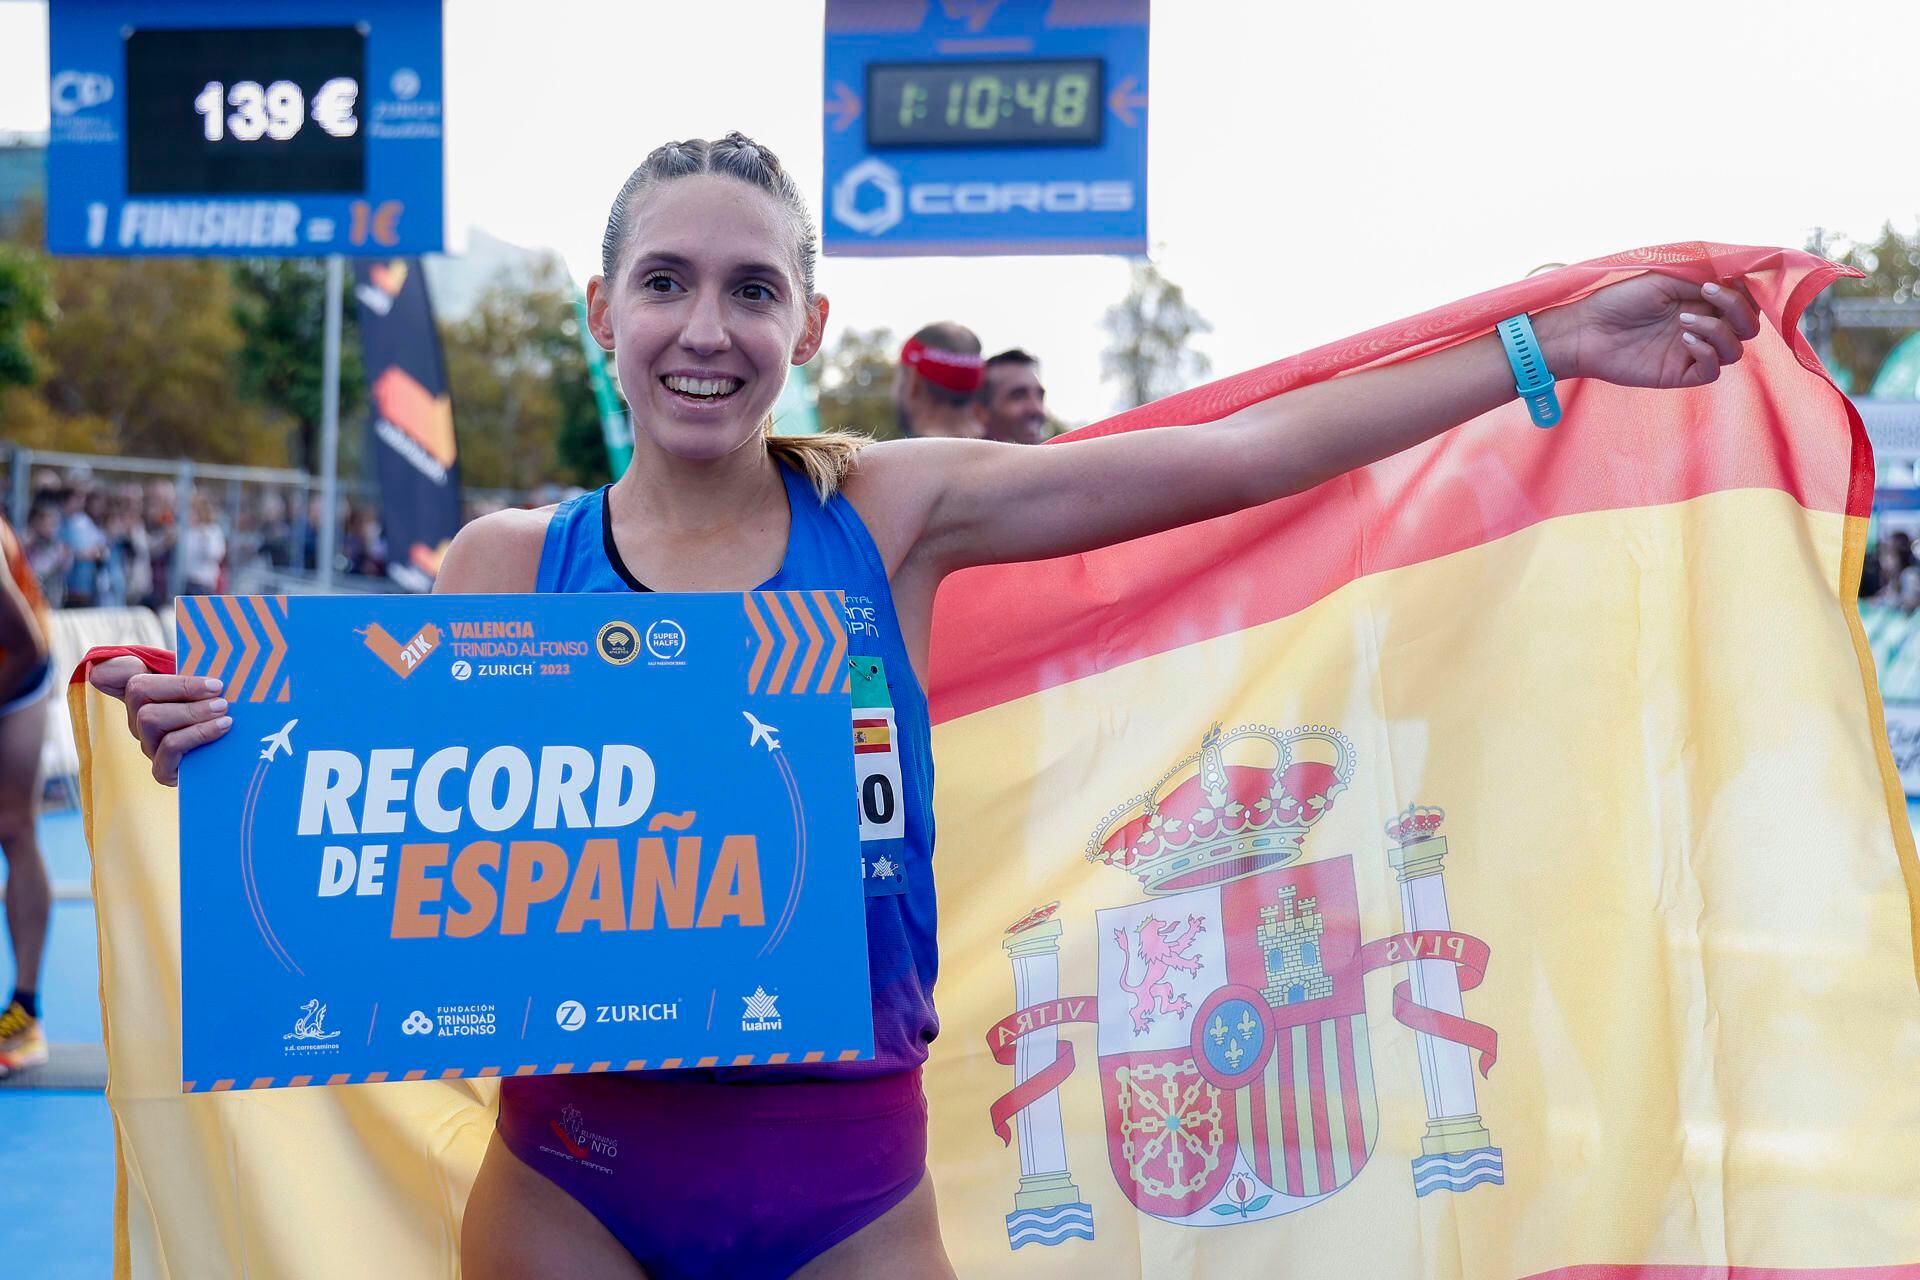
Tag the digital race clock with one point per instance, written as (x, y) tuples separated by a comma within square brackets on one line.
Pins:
[(272, 109), (1029, 103)]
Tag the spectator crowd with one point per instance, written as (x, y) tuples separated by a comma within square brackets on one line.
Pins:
[(94, 541)]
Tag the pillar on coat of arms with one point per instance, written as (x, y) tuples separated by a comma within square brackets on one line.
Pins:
[(1048, 1203), (1457, 1146)]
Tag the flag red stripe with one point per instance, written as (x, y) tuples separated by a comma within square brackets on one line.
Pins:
[(1618, 448), (1644, 1271), (1289, 1118), (1350, 1094), (1317, 1090), (1262, 1149)]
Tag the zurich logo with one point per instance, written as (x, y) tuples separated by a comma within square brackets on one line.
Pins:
[(571, 1015), (884, 179)]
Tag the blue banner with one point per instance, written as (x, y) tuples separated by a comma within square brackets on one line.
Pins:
[(200, 127), (410, 429), (1011, 127), (485, 835)]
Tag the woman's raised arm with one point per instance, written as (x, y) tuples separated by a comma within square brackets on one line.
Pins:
[(989, 503)]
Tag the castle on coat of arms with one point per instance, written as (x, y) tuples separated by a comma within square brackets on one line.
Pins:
[(1235, 1067)]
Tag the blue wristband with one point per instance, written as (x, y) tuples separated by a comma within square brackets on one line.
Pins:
[(1531, 378)]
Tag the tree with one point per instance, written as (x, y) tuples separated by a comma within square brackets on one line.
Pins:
[(519, 384), (280, 310), (1150, 329), (1892, 266), (142, 360), (26, 303), (856, 384)]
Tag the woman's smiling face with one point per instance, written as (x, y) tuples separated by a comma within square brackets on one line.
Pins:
[(705, 312)]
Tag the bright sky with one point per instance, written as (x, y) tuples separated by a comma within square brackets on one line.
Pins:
[(1314, 169)]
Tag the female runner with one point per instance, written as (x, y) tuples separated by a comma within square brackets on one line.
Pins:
[(26, 677), (705, 296)]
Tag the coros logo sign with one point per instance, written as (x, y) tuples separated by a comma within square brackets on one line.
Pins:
[(73, 91), (883, 178), (941, 199)]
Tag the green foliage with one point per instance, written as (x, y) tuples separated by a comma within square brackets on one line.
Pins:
[(135, 356), (1149, 332), (1892, 266), (522, 406), (280, 310), (856, 384), (26, 303)]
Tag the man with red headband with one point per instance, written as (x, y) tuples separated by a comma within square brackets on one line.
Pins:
[(940, 370)]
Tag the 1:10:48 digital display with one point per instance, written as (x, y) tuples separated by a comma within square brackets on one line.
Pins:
[(1027, 103)]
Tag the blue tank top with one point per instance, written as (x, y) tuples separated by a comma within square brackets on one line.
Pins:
[(828, 548)]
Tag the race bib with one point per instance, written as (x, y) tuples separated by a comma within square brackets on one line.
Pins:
[(876, 772)]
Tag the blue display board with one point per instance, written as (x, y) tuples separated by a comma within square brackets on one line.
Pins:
[(986, 128), (534, 834), (199, 127)]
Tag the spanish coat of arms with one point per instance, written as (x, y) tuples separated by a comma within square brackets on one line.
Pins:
[(1235, 1068)]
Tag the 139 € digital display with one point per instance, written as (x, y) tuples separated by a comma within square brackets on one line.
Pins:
[(244, 112), (1031, 103)]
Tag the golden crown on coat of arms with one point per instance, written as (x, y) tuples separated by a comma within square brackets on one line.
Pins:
[(1241, 804)]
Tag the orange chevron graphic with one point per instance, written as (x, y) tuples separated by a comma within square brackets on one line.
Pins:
[(192, 647), (830, 604), (215, 630), (249, 647), (798, 604), (764, 645), (276, 646), (783, 660), (804, 650), (222, 644)]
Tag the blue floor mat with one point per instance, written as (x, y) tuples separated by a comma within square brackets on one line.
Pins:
[(56, 1185)]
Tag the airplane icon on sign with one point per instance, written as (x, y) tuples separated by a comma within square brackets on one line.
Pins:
[(762, 733), (281, 741)]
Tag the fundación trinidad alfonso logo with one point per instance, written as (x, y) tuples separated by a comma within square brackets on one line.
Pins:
[(1236, 1076)]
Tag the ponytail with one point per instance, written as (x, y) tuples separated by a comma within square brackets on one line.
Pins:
[(825, 459)]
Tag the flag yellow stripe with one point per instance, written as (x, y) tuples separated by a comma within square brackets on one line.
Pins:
[(1363, 1069), (1667, 817), (1853, 557)]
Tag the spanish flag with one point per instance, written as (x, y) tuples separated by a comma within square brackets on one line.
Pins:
[(1487, 864), (871, 734)]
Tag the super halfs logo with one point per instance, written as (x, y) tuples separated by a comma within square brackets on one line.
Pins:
[(402, 659), (1235, 1070)]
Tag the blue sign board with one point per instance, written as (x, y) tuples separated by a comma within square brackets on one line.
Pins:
[(496, 835), (986, 127), (206, 128)]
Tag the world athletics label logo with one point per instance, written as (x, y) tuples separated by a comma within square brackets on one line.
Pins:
[(617, 644), (1236, 1074)]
